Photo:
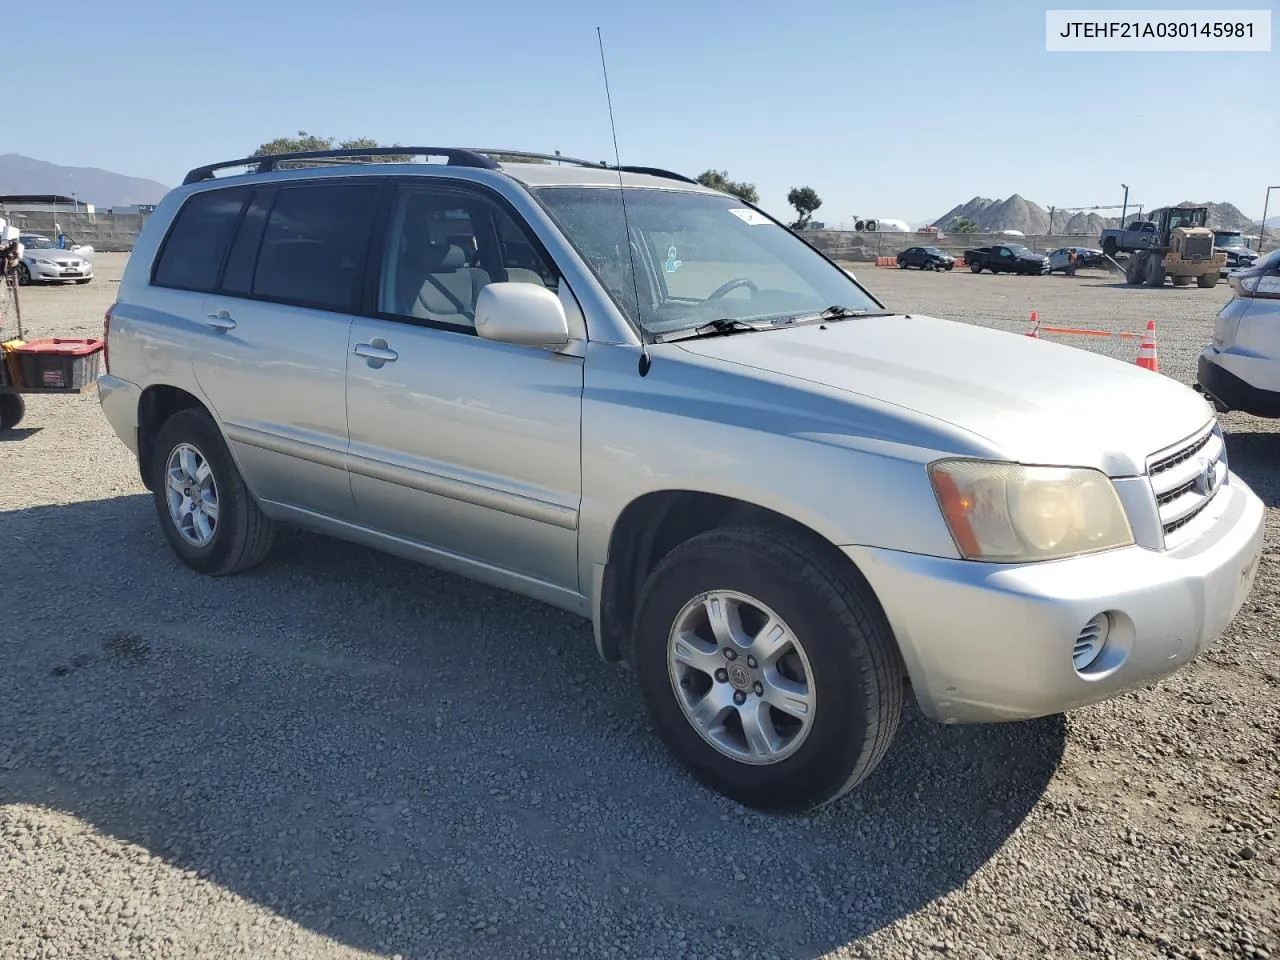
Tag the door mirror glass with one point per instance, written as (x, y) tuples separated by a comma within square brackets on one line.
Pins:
[(521, 313)]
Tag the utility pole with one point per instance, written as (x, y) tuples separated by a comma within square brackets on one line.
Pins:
[(1262, 229), (1124, 207)]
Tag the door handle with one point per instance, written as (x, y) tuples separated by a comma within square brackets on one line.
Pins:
[(376, 350), (220, 321)]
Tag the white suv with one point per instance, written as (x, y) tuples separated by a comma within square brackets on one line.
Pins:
[(650, 403)]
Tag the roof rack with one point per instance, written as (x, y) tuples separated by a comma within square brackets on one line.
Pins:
[(268, 162), (574, 161), (455, 156)]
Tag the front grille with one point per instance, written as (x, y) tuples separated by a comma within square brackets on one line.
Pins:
[(1197, 248), (1185, 480)]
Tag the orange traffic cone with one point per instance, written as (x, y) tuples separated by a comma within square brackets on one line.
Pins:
[(1147, 358), (1035, 325)]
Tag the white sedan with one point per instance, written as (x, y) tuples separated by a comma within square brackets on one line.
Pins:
[(44, 261)]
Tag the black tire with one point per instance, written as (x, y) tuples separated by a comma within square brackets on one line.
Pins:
[(243, 534), (856, 671), (902, 264), (12, 410), (1207, 280), (24, 275), (949, 266), (975, 267), (1109, 247)]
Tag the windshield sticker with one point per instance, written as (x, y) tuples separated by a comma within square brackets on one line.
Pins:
[(672, 264), (750, 217)]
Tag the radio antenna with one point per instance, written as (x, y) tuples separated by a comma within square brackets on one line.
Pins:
[(645, 360)]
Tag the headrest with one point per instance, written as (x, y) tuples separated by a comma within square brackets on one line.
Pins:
[(453, 258)]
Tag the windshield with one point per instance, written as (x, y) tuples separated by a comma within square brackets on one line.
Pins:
[(1187, 218), (1020, 250), (935, 251), (39, 243), (1228, 238), (699, 257)]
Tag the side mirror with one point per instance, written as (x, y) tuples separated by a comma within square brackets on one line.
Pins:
[(521, 313)]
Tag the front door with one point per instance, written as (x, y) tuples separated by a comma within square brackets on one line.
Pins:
[(459, 444)]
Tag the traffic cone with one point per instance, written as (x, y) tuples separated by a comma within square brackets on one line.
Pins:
[(1035, 325), (1147, 358)]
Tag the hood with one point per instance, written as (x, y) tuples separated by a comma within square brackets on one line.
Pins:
[(1031, 400), (57, 255)]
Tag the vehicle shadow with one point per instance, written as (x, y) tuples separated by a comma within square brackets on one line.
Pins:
[(1253, 455), (15, 434), (408, 762)]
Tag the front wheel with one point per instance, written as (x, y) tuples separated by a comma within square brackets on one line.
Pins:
[(24, 274), (12, 409), (975, 267), (1208, 280), (207, 513), (769, 672)]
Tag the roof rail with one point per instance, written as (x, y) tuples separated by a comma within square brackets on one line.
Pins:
[(268, 162), (523, 154)]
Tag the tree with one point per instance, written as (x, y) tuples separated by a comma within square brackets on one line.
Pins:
[(964, 226), (805, 200), (719, 180), (307, 142)]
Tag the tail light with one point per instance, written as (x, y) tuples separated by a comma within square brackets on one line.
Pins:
[(106, 338), (1261, 280)]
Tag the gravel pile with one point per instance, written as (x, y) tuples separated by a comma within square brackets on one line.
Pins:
[(345, 755)]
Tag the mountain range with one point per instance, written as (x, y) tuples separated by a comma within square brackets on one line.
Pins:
[(102, 188), (1019, 213)]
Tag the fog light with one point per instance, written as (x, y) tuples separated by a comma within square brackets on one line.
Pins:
[(1090, 642)]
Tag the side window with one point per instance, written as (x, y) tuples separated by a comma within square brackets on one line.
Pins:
[(237, 278), (192, 253), (313, 247), (443, 246)]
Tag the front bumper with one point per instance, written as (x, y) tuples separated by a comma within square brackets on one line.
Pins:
[(44, 272), (119, 399), (993, 642), (1232, 391)]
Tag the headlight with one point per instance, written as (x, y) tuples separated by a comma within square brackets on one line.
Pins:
[(1005, 512), (46, 263)]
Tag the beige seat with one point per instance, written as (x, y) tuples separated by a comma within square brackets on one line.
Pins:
[(436, 284)]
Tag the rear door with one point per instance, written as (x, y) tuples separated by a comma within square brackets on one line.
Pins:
[(275, 334), (460, 444)]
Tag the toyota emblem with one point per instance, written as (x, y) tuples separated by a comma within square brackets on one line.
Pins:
[(1209, 479)]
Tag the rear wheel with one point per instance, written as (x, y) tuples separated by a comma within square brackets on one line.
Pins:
[(1182, 281), (12, 410), (24, 275), (975, 267), (1135, 270), (769, 673), (207, 513), (1155, 272), (1208, 280)]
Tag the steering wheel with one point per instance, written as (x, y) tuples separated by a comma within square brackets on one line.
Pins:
[(734, 284)]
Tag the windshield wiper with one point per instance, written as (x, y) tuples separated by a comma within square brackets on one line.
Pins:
[(838, 312), (719, 327)]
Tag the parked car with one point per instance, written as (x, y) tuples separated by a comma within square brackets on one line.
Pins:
[(1007, 258), (784, 503), (1240, 368), (44, 261), (1086, 257), (926, 258)]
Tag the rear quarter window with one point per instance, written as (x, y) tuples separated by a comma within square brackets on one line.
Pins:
[(192, 253)]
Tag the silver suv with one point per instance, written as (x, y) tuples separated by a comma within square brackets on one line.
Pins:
[(649, 403)]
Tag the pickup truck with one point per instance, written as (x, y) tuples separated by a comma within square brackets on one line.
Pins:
[(1139, 235), (1006, 258)]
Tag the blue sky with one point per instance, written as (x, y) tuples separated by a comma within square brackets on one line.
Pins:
[(886, 109)]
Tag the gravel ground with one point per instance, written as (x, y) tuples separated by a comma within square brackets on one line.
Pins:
[(346, 755)]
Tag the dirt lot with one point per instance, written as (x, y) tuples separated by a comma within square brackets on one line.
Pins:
[(345, 755)]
